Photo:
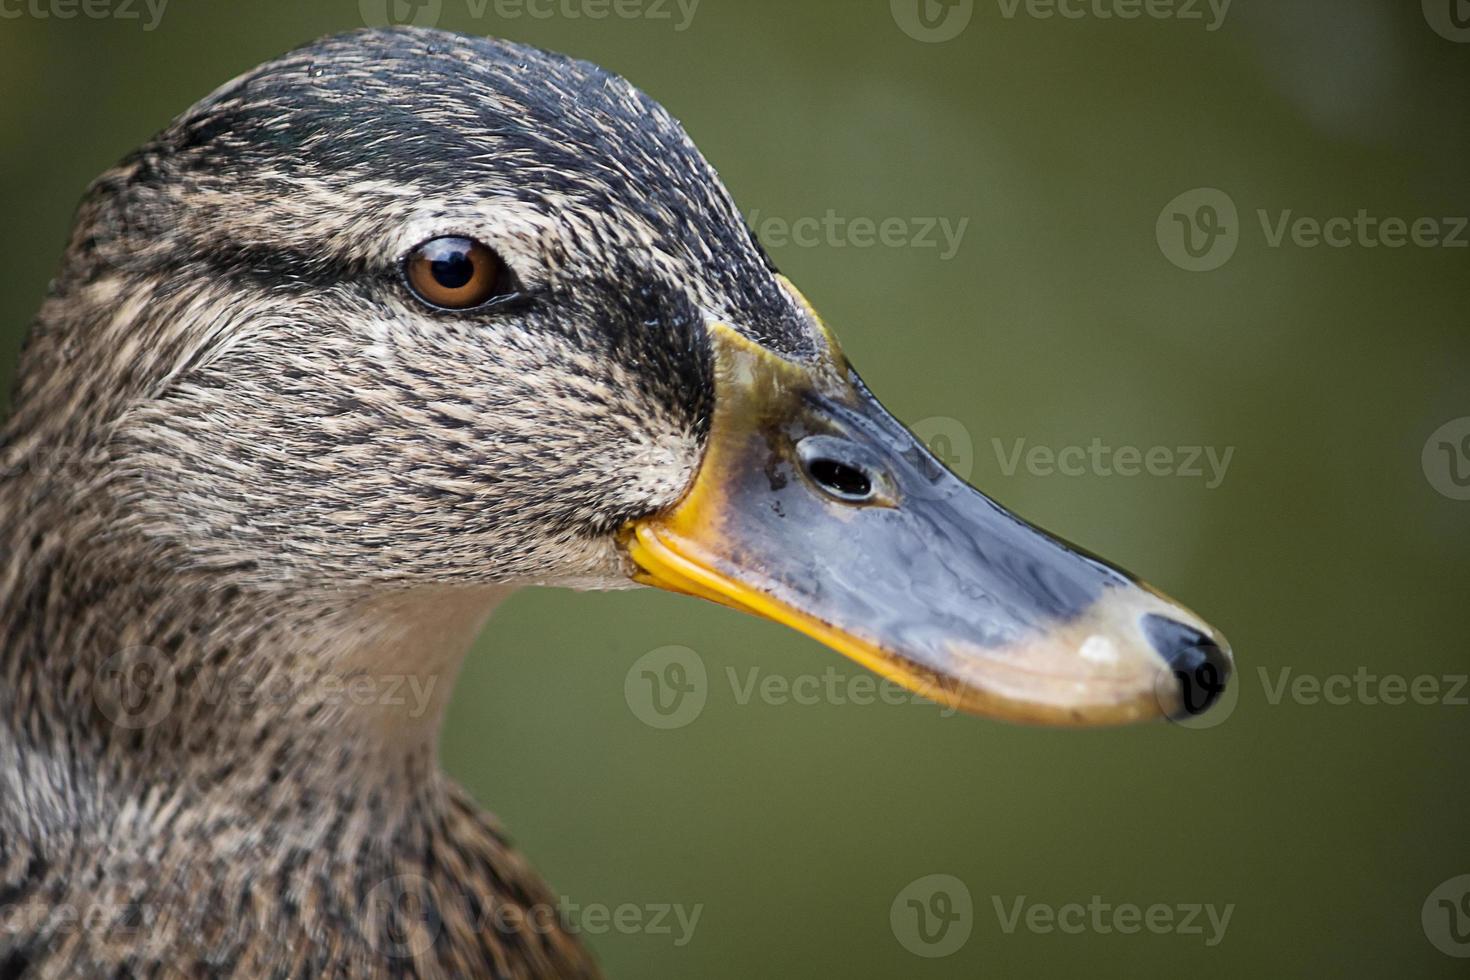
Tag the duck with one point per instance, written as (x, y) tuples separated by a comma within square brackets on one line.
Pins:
[(368, 339)]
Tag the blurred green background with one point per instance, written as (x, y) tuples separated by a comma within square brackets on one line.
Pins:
[(1330, 546)]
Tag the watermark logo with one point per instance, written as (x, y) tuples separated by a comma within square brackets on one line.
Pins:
[(1446, 917), (1449, 18), (667, 688), (400, 13), (932, 21), (130, 231), (1446, 459), (135, 688), (950, 442), (1195, 690), (1199, 230), (405, 922), (933, 916)]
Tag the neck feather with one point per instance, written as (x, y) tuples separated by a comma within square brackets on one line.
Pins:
[(202, 771), (224, 688)]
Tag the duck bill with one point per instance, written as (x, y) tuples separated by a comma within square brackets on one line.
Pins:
[(815, 508)]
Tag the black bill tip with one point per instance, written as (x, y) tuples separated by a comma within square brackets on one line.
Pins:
[(1201, 668)]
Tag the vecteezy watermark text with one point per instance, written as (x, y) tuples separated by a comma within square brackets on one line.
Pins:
[(139, 686), (935, 21), (1210, 12), (114, 920), (426, 13), (934, 916), (1366, 687), (1206, 920), (669, 687), (1099, 459), (832, 230), (1200, 230), (138, 10), (832, 686), (416, 910)]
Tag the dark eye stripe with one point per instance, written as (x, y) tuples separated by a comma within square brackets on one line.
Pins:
[(269, 266), (281, 268)]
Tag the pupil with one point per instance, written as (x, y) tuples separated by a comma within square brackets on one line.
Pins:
[(840, 478), (453, 271)]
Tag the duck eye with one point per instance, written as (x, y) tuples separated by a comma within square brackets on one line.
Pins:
[(455, 273)]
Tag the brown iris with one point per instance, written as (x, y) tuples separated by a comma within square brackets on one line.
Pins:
[(456, 273)]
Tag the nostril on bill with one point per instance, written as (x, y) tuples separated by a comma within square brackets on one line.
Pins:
[(1198, 664)]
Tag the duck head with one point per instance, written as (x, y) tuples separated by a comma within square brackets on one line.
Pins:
[(407, 308)]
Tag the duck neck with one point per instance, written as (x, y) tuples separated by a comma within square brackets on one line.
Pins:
[(224, 697), (248, 748)]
